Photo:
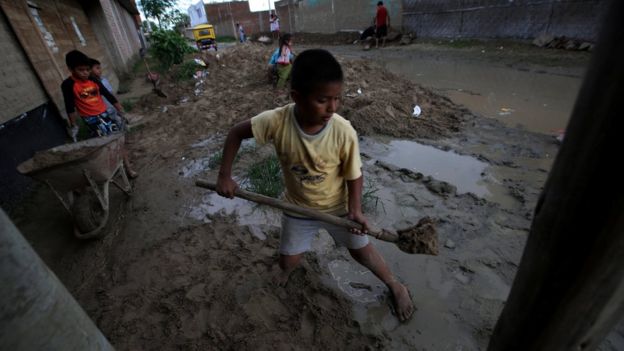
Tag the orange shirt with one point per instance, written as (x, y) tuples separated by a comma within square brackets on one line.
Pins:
[(85, 96)]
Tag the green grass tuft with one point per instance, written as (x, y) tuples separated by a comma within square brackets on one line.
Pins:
[(265, 177)]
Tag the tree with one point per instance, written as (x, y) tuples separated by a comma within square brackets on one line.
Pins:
[(158, 9), (181, 20)]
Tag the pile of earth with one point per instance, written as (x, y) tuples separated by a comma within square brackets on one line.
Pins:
[(302, 38), (209, 287), (235, 87)]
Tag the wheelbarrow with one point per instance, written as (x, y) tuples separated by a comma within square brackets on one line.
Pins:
[(79, 175)]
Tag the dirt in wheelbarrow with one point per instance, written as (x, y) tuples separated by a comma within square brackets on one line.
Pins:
[(186, 269)]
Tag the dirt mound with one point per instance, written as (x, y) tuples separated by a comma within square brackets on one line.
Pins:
[(338, 38), (236, 88), (379, 102), (209, 288)]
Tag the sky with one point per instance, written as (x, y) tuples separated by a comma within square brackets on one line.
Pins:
[(255, 5)]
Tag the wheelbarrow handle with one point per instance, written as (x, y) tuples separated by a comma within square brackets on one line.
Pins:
[(307, 212)]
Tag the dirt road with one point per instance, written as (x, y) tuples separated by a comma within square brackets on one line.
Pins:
[(185, 269)]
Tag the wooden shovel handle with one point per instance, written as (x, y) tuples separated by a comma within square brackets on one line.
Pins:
[(307, 212)]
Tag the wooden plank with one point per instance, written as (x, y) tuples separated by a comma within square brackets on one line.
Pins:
[(36, 49), (569, 290)]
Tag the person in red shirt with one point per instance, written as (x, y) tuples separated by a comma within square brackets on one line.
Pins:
[(382, 22), (84, 104)]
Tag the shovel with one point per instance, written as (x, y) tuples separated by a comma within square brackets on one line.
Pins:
[(421, 238), (154, 78)]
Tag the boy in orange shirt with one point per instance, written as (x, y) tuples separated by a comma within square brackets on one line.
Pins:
[(84, 103)]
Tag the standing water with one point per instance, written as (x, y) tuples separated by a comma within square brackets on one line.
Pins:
[(540, 102)]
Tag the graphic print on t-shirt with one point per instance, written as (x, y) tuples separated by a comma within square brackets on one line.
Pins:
[(304, 176)]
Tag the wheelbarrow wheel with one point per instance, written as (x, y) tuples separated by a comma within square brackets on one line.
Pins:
[(87, 211)]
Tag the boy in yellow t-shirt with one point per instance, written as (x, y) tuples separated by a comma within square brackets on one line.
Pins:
[(320, 160)]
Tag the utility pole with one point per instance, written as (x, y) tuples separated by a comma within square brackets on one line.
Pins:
[(569, 290), (36, 311)]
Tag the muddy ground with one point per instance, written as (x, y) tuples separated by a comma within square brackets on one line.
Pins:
[(184, 269)]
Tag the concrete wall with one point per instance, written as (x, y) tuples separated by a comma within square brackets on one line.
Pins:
[(331, 16), (313, 16), (20, 90), (503, 18), (224, 16)]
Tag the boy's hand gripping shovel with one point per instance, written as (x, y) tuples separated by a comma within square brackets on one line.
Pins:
[(421, 239)]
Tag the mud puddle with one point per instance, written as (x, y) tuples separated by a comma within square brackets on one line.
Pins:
[(468, 174), (539, 102), (464, 172)]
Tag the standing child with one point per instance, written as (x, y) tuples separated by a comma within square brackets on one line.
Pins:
[(272, 69), (382, 22), (96, 74), (320, 161), (83, 101), (284, 60), (275, 26), (241, 33)]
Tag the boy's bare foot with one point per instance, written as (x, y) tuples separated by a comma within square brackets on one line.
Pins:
[(402, 301)]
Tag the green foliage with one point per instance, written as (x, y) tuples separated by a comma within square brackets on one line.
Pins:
[(186, 70), (265, 177), (158, 9), (181, 20), (215, 160), (168, 47), (370, 199)]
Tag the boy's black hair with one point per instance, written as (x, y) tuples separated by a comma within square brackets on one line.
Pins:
[(93, 62), (284, 38), (380, 3), (76, 58), (313, 67)]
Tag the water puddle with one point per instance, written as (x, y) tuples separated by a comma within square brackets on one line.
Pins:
[(356, 282), (465, 172), (539, 102), (194, 166), (246, 212)]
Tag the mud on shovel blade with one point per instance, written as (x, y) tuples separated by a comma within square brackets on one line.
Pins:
[(419, 239)]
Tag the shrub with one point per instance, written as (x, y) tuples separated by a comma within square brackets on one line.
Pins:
[(168, 47), (186, 70)]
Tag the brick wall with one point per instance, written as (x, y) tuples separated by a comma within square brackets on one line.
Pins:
[(313, 16), (20, 90), (119, 30), (224, 16)]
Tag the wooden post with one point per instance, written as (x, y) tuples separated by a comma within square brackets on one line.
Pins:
[(569, 290), (36, 311)]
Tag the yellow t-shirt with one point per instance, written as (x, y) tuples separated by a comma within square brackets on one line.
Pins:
[(315, 167)]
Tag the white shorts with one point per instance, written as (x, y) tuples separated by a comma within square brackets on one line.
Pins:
[(298, 233)]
